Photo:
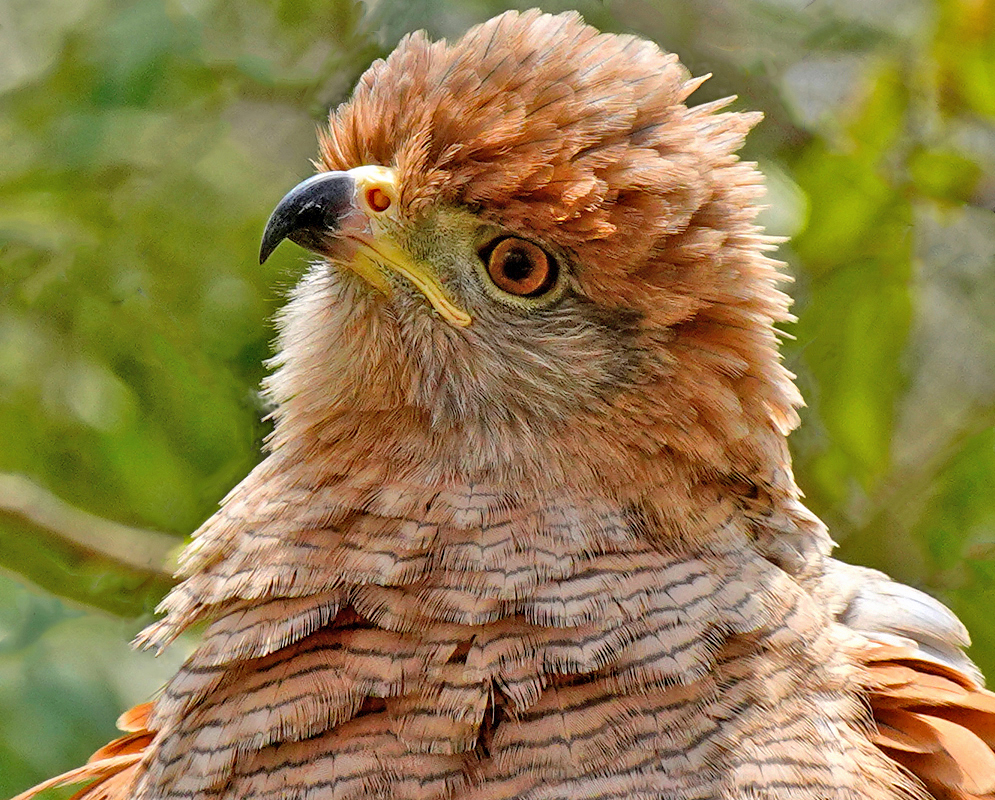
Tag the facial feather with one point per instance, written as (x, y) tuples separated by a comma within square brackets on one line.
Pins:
[(499, 395)]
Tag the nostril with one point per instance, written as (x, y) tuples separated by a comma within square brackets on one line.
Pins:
[(377, 199)]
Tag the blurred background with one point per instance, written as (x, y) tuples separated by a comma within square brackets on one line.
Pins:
[(144, 142)]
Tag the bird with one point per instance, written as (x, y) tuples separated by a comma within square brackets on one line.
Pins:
[(527, 526)]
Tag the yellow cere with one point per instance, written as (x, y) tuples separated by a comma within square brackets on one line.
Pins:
[(382, 251)]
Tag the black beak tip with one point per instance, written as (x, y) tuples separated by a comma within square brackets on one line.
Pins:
[(281, 223), (308, 212), (267, 246)]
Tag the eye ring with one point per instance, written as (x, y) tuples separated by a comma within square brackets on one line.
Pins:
[(520, 267)]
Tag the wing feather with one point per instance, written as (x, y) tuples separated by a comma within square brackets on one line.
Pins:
[(934, 721)]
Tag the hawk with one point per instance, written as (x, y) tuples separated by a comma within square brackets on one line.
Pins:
[(527, 525)]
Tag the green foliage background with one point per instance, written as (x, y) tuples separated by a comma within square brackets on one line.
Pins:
[(143, 143)]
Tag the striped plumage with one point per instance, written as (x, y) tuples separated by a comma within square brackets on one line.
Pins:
[(557, 551)]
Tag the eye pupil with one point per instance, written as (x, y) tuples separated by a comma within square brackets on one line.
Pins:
[(519, 267)]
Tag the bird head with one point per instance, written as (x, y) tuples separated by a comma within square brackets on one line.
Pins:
[(538, 264)]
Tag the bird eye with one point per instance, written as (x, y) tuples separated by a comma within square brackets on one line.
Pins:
[(520, 267)]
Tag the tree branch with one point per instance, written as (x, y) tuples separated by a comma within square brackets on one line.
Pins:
[(136, 548), (79, 555)]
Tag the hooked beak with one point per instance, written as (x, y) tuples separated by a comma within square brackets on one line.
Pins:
[(311, 213), (345, 216)]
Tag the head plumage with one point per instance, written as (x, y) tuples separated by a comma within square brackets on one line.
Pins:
[(584, 142), (581, 138)]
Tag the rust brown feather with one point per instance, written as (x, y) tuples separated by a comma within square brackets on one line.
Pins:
[(933, 720)]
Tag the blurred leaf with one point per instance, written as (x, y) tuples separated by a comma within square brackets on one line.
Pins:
[(945, 176), (64, 678), (856, 250), (965, 51)]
